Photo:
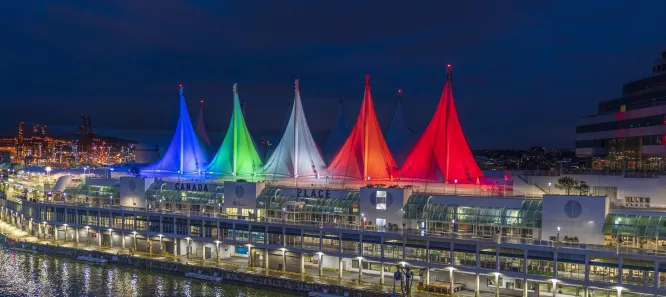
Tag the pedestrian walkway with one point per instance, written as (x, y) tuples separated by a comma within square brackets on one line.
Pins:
[(349, 279)]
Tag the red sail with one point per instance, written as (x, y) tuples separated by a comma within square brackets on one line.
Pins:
[(364, 154), (443, 147)]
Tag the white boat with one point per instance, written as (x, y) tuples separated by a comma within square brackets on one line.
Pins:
[(320, 294), (17, 249), (92, 259), (201, 276)]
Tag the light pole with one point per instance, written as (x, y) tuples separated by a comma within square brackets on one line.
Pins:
[(65, 226), (48, 172), (134, 232), (549, 185)]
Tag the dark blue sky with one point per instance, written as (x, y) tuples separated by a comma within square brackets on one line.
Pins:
[(524, 70)]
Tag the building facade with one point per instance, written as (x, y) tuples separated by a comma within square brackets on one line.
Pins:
[(566, 245), (628, 133)]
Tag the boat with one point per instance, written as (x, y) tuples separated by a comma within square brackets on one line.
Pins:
[(18, 249), (92, 259), (320, 294), (201, 276)]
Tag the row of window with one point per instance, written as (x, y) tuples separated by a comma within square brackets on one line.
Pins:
[(621, 124), (623, 142)]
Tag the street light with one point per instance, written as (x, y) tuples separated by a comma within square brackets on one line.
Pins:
[(549, 185), (48, 172)]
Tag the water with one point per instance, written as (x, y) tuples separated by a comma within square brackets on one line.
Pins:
[(23, 274)]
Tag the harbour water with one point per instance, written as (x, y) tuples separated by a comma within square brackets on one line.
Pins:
[(25, 274)]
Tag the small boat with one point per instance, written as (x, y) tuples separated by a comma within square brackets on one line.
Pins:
[(201, 276), (325, 294), (17, 249), (92, 259)]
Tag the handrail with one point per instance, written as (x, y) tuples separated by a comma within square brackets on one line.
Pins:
[(395, 231)]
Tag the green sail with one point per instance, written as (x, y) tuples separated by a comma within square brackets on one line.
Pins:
[(237, 156)]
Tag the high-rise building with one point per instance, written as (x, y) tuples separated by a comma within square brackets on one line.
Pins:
[(628, 133)]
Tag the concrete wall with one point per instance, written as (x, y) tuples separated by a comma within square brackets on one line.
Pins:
[(577, 216), (133, 190), (242, 194), (655, 188), (396, 198)]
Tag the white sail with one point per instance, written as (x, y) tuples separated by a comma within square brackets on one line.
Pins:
[(297, 155)]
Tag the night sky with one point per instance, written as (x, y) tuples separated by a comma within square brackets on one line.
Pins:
[(524, 71)]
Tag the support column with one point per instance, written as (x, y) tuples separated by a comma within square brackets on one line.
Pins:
[(76, 229), (427, 276), (321, 264), (99, 238), (619, 293), (555, 289), (251, 260), (360, 270), (340, 267), (302, 263), (217, 252), (266, 260), (161, 245), (284, 260), (497, 285), (135, 241), (656, 274), (381, 273), (122, 240), (175, 247), (203, 252), (525, 286), (149, 244), (188, 248), (111, 239), (55, 233), (476, 287), (452, 282)]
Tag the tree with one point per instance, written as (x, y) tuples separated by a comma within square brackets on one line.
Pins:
[(566, 183), (583, 188), (135, 171)]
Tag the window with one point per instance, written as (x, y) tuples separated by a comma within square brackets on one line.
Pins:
[(381, 200), (640, 202)]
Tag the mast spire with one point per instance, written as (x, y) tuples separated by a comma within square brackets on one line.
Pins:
[(182, 132), (297, 106), (235, 130)]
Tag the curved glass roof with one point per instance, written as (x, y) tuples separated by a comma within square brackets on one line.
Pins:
[(214, 195), (635, 225), (270, 198), (94, 191), (528, 216)]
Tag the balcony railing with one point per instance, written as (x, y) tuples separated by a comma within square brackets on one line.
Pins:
[(410, 232)]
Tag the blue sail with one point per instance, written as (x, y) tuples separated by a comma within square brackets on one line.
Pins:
[(400, 138), (184, 154), (338, 135)]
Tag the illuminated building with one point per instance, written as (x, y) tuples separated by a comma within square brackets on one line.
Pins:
[(628, 133)]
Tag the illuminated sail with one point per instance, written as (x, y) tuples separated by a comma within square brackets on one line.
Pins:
[(184, 154), (443, 146), (365, 153), (297, 155), (237, 154)]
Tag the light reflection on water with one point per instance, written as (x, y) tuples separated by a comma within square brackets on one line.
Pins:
[(41, 275)]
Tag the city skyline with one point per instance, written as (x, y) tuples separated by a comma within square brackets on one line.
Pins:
[(66, 55)]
